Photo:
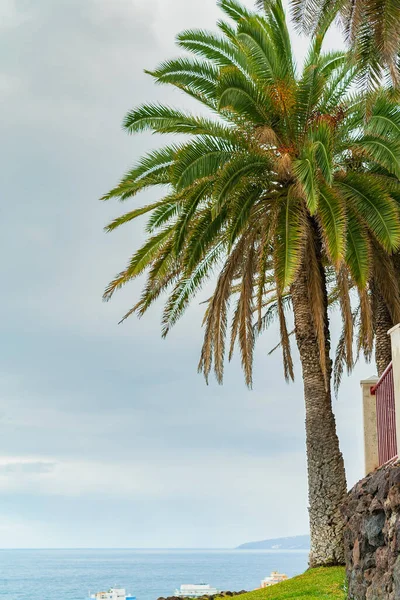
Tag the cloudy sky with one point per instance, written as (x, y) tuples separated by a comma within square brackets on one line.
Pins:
[(108, 437)]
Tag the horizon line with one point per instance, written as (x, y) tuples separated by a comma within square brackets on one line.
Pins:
[(151, 548)]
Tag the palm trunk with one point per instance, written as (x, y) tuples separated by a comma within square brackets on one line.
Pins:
[(326, 474), (382, 323), (385, 315)]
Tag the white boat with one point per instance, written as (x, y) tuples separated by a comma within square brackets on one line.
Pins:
[(195, 590), (274, 578), (112, 594)]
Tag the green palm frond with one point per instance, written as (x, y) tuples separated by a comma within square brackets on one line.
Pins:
[(338, 87), (133, 214), (385, 118), (205, 231), (330, 63), (305, 169), (240, 210), (161, 215), (332, 214), (163, 119), (358, 251), (311, 84), (289, 240), (238, 173), (239, 95), (200, 158), (384, 152), (197, 78), (220, 50), (141, 260), (259, 49), (279, 32), (186, 288), (233, 9), (152, 169), (321, 141), (199, 193), (374, 206)]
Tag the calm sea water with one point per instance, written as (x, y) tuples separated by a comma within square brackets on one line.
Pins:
[(148, 574)]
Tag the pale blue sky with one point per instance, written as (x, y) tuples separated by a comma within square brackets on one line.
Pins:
[(108, 437)]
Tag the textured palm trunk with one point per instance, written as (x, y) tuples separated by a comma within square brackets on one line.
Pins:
[(382, 323), (326, 473)]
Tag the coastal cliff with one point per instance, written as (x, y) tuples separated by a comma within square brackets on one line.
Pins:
[(297, 542), (372, 536)]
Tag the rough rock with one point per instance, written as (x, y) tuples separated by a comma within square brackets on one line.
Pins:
[(372, 535), (213, 597)]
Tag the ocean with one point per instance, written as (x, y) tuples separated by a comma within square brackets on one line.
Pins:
[(147, 574)]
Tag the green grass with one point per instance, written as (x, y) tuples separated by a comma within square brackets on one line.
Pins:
[(326, 583)]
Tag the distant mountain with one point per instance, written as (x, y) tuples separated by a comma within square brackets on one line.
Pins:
[(297, 542)]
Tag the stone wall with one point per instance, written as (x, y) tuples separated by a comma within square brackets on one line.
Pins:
[(372, 536)]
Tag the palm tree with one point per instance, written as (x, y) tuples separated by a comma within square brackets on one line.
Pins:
[(370, 28), (263, 195), (385, 285)]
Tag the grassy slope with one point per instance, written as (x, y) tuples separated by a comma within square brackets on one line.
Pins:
[(315, 584)]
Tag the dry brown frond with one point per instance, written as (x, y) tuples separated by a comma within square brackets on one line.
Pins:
[(206, 355), (220, 322), (215, 318), (333, 118), (271, 297), (279, 344), (154, 287), (234, 329), (246, 332), (118, 281), (384, 18), (284, 166), (297, 191), (285, 341), (347, 316), (266, 136), (283, 96), (355, 17), (130, 312), (366, 329), (394, 71), (263, 255)]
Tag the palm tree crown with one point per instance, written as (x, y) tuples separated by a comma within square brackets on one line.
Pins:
[(287, 165)]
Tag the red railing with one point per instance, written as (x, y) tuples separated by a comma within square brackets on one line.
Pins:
[(385, 416)]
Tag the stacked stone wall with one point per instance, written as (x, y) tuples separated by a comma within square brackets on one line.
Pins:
[(372, 536)]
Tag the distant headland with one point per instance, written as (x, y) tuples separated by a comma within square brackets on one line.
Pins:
[(297, 542)]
